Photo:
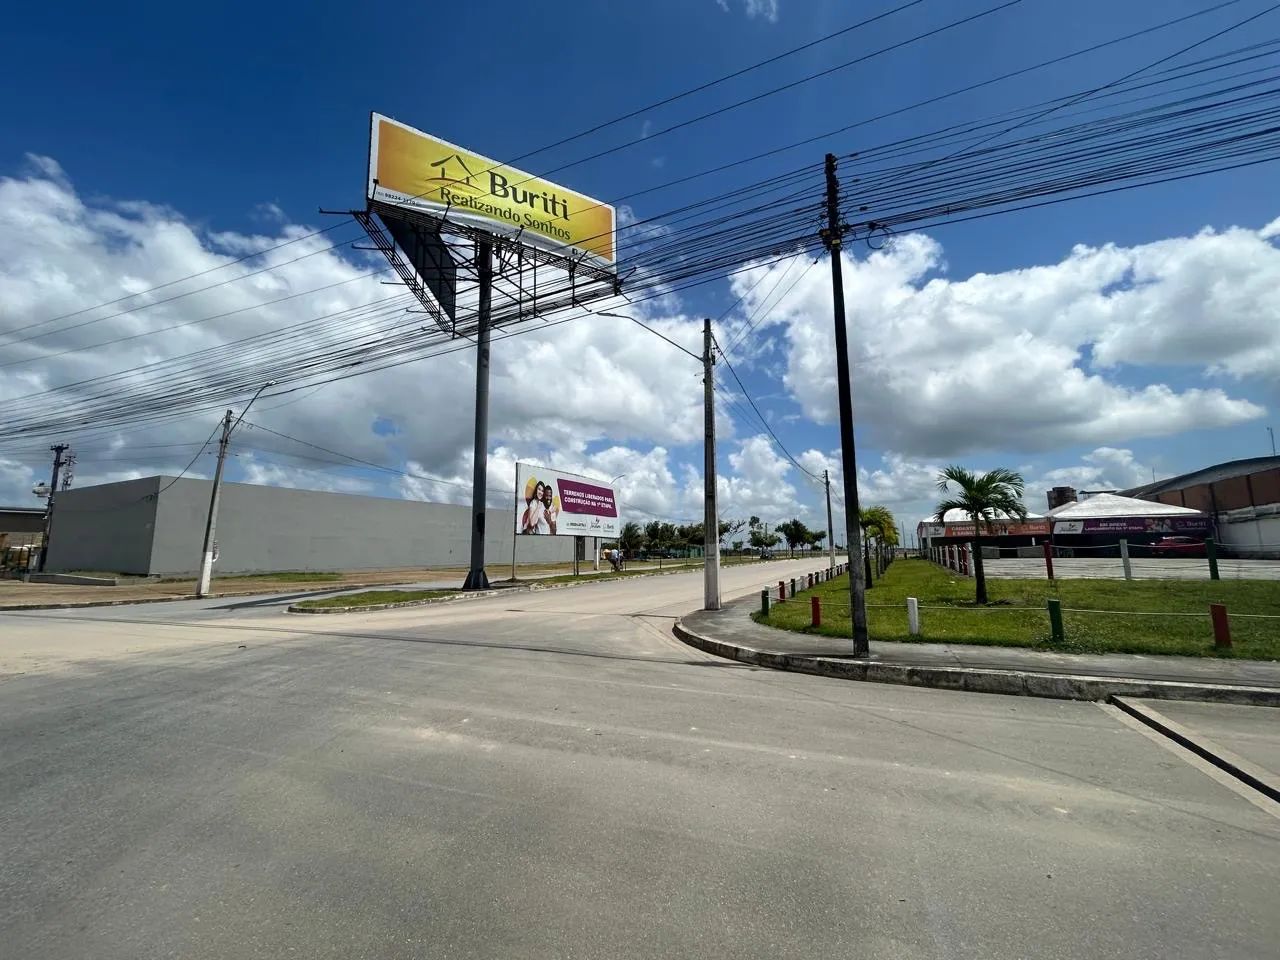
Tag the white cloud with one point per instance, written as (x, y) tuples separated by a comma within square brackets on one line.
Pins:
[(1106, 468), (1000, 361), (553, 389), (765, 9)]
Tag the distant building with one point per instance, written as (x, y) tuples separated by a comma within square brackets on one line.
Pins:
[(1002, 535), (1241, 498), (1060, 495), (156, 526), (19, 527)]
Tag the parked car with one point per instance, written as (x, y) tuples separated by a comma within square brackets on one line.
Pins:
[(1178, 547)]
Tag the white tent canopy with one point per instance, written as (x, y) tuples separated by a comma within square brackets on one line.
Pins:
[(1104, 506)]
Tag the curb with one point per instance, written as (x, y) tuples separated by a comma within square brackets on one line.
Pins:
[(531, 586), (1222, 758), (77, 604), (396, 605), (1018, 683)]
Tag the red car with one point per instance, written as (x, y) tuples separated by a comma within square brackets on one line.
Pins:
[(1178, 547)]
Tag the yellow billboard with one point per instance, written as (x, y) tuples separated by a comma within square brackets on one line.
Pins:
[(409, 168)]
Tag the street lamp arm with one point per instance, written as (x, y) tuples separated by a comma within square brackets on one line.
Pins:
[(269, 383)]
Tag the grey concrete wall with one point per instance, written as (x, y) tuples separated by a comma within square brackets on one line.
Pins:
[(108, 527), (272, 528)]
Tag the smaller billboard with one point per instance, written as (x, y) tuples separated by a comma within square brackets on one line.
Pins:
[(553, 503), (1133, 525)]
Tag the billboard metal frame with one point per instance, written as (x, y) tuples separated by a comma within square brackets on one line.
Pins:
[(490, 246)]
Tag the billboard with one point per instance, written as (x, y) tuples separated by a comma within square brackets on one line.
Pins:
[(1134, 525), (409, 168), (558, 504)]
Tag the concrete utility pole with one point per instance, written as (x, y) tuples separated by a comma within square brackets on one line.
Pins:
[(831, 530), (831, 238), (476, 577), (58, 450), (211, 522), (710, 516)]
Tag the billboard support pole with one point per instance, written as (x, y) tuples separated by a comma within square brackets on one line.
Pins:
[(476, 578), (710, 518), (832, 237)]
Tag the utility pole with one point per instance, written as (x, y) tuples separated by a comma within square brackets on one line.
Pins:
[(831, 238), (476, 577), (58, 450), (831, 530), (211, 522), (1272, 434), (710, 516)]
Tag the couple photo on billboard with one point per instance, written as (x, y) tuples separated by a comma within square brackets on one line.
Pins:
[(558, 504), (541, 507)]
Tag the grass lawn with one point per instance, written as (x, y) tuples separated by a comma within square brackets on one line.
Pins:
[(1146, 619), (369, 597)]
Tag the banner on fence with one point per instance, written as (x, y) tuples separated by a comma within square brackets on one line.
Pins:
[(1133, 525)]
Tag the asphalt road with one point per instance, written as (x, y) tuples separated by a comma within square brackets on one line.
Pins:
[(552, 775)]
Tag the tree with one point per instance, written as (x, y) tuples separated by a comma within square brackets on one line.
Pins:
[(729, 528), (632, 538), (761, 540), (983, 498), (795, 532), (877, 522)]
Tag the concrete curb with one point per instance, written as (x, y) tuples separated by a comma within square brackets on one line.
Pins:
[(532, 586), (396, 605), (1222, 758), (76, 604), (1019, 683)]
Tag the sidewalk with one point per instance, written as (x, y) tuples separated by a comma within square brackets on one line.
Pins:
[(732, 633)]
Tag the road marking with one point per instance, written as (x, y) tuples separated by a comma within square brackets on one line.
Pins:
[(1211, 770)]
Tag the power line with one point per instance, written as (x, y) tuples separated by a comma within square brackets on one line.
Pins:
[(787, 453)]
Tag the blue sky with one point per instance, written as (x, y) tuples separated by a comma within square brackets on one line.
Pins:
[(215, 112)]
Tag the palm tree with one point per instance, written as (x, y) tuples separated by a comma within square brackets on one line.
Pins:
[(631, 539), (876, 521), (982, 498)]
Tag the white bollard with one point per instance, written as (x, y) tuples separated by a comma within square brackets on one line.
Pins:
[(1124, 559), (913, 616)]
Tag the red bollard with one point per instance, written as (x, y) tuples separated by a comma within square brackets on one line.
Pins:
[(815, 611), (1221, 625), (782, 589), (1048, 559)]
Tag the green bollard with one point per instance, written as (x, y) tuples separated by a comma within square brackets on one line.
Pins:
[(1056, 632), (764, 602), (1211, 549)]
